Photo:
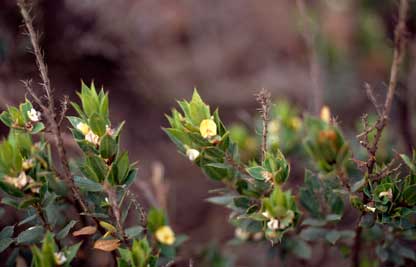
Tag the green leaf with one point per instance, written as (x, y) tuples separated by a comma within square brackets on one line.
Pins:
[(6, 118), (5, 243), (409, 195), (312, 233), (65, 231), (332, 236), (97, 124), (221, 200), (10, 189), (7, 232), (302, 250), (71, 251), (28, 219), (31, 235), (108, 147), (155, 219), (408, 162), (134, 232), (256, 172), (87, 185), (37, 128)]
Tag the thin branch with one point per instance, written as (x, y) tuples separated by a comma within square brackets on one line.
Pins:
[(264, 99), (112, 199), (370, 94), (399, 47), (64, 109), (49, 110)]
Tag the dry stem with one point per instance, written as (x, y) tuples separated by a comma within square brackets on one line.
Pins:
[(49, 110), (264, 99), (399, 46)]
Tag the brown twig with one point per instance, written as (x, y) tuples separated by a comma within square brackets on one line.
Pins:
[(399, 46), (112, 199), (49, 109), (264, 99)]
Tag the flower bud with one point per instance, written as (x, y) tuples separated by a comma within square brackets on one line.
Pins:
[(192, 154), (326, 114)]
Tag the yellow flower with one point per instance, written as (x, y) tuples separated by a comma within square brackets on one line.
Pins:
[(27, 164), (296, 123), (83, 128), (165, 235), (325, 114), (208, 128)]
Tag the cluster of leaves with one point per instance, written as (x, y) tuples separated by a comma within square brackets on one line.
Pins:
[(255, 195), (34, 185), (262, 210)]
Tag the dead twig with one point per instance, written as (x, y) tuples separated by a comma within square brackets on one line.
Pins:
[(49, 108), (399, 47), (264, 99)]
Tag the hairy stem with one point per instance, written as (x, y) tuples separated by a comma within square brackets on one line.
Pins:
[(263, 97), (49, 110)]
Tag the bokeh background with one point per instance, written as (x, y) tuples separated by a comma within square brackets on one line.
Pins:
[(150, 53)]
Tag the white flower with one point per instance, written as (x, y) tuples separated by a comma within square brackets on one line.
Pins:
[(59, 258), (33, 115), (22, 180), (92, 138), (192, 154), (241, 234), (369, 208), (388, 194), (273, 224)]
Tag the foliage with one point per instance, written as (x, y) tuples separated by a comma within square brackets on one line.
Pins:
[(262, 210), (34, 185)]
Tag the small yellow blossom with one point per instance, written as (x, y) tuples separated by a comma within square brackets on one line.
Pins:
[(165, 235), (208, 128), (326, 114), (60, 258), (27, 164), (83, 128), (296, 123), (192, 154)]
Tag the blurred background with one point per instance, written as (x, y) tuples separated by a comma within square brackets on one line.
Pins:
[(150, 53)]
